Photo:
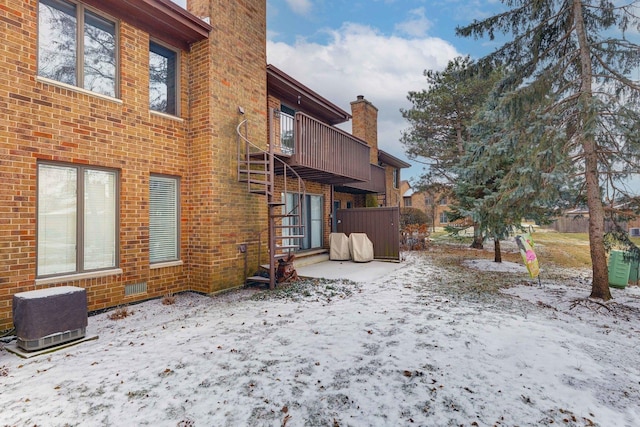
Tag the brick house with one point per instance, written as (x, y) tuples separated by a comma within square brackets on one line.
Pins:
[(108, 143), (434, 203), (119, 147), (337, 170)]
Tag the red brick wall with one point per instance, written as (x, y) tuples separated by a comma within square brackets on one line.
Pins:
[(44, 121), (223, 213), (365, 125)]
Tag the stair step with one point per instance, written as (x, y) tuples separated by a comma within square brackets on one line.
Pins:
[(280, 226), (291, 236), (283, 247), (284, 216), (254, 172), (257, 182), (275, 204), (258, 279)]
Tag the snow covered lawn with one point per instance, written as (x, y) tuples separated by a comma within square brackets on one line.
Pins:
[(426, 345)]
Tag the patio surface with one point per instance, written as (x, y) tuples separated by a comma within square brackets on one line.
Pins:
[(355, 271)]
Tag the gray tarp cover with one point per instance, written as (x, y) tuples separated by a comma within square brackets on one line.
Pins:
[(37, 314), (339, 247), (361, 247)]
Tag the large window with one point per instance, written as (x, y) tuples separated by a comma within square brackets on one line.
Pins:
[(163, 219), (76, 46), (312, 219), (77, 219), (163, 82)]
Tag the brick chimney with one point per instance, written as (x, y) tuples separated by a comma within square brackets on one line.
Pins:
[(364, 124)]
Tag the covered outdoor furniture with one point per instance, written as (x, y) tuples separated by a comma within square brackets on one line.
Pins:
[(361, 247), (339, 247)]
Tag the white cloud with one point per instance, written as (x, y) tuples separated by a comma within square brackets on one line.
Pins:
[(358, 60), (182, 3), (417, 25), (300, 7)]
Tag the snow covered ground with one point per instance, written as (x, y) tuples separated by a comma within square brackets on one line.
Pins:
[(412, 348)]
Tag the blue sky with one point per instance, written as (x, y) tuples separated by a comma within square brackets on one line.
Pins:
[(376, 48)]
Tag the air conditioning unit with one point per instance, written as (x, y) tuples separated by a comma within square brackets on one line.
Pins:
[(634, 232), (49, 317)]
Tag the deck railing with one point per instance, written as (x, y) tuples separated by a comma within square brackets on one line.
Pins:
[(326, 148), (375, 185)]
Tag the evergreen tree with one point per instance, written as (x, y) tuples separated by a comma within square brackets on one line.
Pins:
[(439, 121), (485, 176), (576, 102)]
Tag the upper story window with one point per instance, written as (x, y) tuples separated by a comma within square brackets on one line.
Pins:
[(163, 81), (287, 126), (396, 177), (77, 46)]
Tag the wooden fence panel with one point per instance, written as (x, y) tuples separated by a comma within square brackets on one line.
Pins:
[(382, 226)]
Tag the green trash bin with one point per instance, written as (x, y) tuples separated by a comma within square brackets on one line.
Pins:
[(634, 271), (619, 270)]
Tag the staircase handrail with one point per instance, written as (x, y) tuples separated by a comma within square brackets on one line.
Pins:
[(301, 186)]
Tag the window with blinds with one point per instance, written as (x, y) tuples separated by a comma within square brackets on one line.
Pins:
[(163, 218), (77, 219)]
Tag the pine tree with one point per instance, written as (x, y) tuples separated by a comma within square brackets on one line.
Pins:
[(440, 118), (486, 175), (576, 102)]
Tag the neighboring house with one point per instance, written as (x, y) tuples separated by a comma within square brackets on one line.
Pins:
[(119, 148), (577, 221), (435, 204)]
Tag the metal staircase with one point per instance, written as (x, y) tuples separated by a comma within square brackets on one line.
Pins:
[(257, 168)]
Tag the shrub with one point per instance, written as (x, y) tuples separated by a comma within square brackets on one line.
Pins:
[(412, 216)]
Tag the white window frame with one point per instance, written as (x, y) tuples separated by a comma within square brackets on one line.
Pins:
[(444, 219)]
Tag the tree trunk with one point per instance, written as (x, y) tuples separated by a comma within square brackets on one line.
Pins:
[(600, 285), (478, 240), (497, 255)]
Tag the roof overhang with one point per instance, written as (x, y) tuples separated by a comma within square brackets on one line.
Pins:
[(291, 91), (390, 160), (162, 19)]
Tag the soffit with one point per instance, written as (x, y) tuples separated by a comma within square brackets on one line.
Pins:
[(391, 160), (298, 96), (162, 19)]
